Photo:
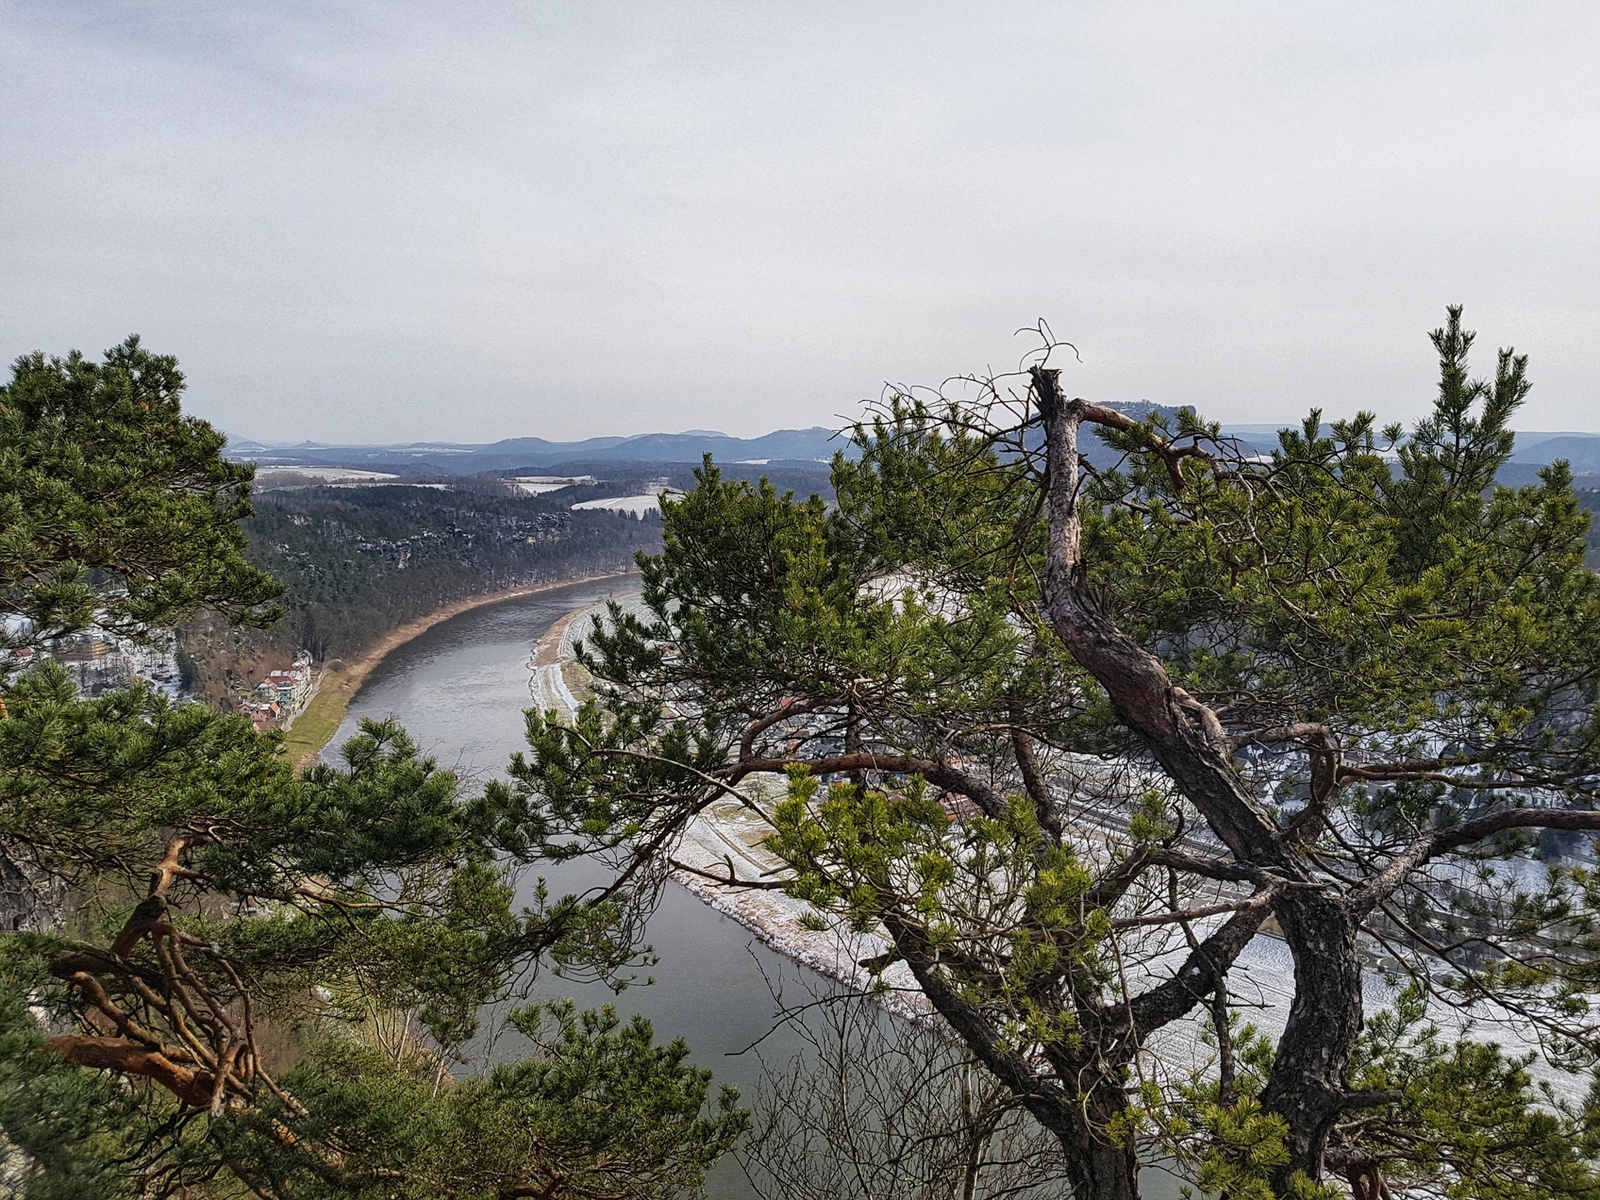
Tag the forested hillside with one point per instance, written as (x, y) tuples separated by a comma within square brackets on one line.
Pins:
[(358, 562)]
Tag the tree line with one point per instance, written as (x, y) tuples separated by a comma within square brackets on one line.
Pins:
[(358, 562)]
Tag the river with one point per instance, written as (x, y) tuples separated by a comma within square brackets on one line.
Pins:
[(460, 689)]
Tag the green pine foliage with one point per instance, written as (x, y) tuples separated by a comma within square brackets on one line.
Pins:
[(1450, 1116), (600, 1110), (115, 508), (259, 982)]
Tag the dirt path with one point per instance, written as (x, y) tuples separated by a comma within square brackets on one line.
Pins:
[(339, 685)]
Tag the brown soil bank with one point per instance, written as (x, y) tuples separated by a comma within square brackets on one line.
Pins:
[(342, 678)]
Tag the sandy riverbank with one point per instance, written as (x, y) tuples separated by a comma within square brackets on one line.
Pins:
[(340, 683)]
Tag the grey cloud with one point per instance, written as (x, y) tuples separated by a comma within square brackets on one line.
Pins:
[(386, 221)]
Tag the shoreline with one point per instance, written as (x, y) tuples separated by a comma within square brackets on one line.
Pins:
[(724, 838), (336, 688)]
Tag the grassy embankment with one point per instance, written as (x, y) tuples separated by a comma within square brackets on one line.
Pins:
[(342, 679)]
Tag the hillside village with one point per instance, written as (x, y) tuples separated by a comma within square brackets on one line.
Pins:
[(282, 696)]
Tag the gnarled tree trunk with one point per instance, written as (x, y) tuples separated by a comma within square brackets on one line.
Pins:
[(1308, 1075)]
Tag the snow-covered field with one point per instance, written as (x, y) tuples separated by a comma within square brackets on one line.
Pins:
[(269, 475), (291, 477), (538, 485), (637, 505)]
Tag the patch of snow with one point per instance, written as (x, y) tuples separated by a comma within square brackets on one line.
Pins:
[(637, 505), (537, 485), (326, 474)]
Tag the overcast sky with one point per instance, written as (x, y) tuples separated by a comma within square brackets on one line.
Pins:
[(392, 221)]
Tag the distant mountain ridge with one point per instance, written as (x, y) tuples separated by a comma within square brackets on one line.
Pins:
[(816, 445)]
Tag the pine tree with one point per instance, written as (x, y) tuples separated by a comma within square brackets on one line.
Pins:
[(263, 979), (1072, 737)]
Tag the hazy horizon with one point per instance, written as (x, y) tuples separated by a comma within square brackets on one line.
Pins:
[(234, 437), (553, 221)]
